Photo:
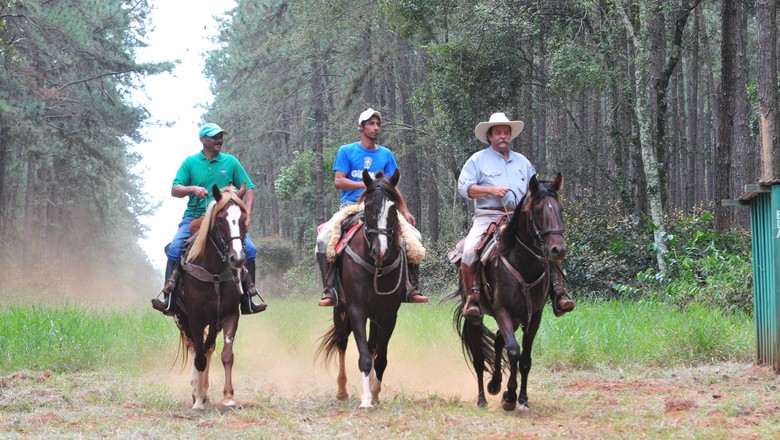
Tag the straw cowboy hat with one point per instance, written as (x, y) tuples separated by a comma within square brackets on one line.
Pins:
[(497, 119)]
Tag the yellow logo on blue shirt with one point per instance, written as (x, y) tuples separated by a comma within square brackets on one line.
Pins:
[(367, 163)]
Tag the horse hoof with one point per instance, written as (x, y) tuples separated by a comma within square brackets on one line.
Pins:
[(366, 406), (342, 396), (482, 404), (523, 408), (508, 406), (494, 388)]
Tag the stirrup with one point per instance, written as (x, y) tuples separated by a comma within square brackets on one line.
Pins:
[(471, 308), (249, 307), (558, 296), (417, 298), (163, 305), (329, 297)]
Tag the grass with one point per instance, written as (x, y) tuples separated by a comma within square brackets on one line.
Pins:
[(71, 338), (598, 334), (607, 370)]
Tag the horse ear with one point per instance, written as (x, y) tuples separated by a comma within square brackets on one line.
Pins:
[(216, 193), (240, 193), (557, 184), (533, 185), (367, 179), (396, 177)]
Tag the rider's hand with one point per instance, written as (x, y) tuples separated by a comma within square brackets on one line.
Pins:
[(500, 191), (199, 192), (410, 219)]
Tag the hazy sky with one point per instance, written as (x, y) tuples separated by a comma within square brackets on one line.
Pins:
[(181, 30)]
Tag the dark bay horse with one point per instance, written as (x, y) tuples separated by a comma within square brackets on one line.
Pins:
[(373, 284), (517, 285), (210, 291)]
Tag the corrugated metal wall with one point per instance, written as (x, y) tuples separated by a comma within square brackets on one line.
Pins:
[(765, 226)]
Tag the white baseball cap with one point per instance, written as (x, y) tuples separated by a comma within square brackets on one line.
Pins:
[(366, 115)]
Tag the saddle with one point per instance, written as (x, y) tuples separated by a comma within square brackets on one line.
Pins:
[(195, 225), (485, 246), (349, 227), (345, 224)]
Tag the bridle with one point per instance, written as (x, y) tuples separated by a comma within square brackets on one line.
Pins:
[(378, 269), (388, 232), (537, 232), (221, 244)]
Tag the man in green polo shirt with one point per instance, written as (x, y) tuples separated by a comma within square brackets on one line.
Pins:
[(195, 178)]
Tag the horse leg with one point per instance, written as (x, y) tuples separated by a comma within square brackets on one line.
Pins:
[(343, 329), (472, 336), (380, 360), (229, 330), (341, 380), (525, 359), (198, 380), (494, 386), (505, 326), (365, 359)]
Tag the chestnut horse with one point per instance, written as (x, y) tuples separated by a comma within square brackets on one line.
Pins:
[(517, 285), (210, 291), (373, 278)]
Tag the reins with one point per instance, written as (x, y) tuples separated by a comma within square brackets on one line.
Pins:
[(204, 275), (538, 238), (378, 270)]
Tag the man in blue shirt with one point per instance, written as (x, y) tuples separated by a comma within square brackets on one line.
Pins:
[(194, 179), (496, 178), (351, 160)]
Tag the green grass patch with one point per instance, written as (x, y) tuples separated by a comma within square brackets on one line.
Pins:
[(612, 334), (624, 334), (73, 339)]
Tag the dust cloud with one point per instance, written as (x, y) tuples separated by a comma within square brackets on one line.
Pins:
[(264, 361)]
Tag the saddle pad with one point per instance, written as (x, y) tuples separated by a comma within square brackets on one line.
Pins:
[(346, 237)]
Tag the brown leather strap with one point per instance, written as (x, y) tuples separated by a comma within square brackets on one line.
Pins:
[(207, 277)]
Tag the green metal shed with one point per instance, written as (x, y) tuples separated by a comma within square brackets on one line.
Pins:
[(764, 201)]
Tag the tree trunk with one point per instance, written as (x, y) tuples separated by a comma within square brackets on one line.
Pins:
[(642, 110), (766, 21), (728, 51), (318, 102)]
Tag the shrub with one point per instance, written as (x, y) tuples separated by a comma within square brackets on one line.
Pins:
[(612, 256), (274, 258)]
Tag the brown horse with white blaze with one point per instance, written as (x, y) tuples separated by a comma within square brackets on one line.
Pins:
[(210, 290), (373, 278)]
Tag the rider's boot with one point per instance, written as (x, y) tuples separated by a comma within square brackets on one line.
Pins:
[(248, 306), (413, 295), (561, 301), (472, 285), (171, 278), (328, 271)]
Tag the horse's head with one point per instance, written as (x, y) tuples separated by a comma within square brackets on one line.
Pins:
[(229, 224), (223, 227), (545, 214), (382, 201)]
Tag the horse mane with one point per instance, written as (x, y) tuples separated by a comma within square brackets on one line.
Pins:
[(506, 236), (392, 192), (199, 239)]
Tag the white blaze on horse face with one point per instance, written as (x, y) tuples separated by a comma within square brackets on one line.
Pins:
[(233, 219), (382, 224)]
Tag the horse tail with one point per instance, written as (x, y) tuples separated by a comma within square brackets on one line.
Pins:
[(329, 345), (183, 350), (487, 339)]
